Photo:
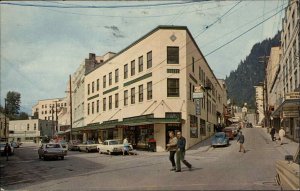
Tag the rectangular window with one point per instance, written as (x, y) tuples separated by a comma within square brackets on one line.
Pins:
[(104, 104), (110, 78), (92, 107), (116, 100), (199, 73), (132, 95), (125, 97), (34, 126), (173, 87), (88, 110), (172, 55), (27, 127), (97, 106), (88, 89), (110, 102), (104, 81), (149, 59), (93, 87), (132, 67), (149, 90), (98, 84), (141, 96), (116, 75), (141, 64), (125, 71), (296, 79), (193, 64), (190, 92)]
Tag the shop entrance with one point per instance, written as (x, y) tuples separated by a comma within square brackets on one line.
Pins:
[(139, 136), (172, 127)]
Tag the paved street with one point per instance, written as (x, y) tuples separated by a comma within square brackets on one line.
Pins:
[(213, 169)]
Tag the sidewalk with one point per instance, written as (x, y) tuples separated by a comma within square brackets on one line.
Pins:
[(289, 147)]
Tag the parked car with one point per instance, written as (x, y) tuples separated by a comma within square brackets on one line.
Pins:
[(15, 145), (288, 172), (73, 145), (219, 139), (229, 132), (51, 150), (87, 146), (2, 147), (111, 146)]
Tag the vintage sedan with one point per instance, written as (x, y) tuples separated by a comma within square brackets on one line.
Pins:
[(73, 145), (51, 150), (288, 172), (219, 139), (112, 146), (229, 132), (87, 146)]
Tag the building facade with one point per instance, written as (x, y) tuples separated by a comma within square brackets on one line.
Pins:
[(4, 126), (31, 130), (286, 85), (146, 90), (46, 109), (259, 102)]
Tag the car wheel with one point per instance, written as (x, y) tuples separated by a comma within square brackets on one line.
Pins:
[(44, 158), (109, 153), (79, 150), (62, 158), (40, 156)]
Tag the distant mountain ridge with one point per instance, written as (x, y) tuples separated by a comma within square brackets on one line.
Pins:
[(249, 73)]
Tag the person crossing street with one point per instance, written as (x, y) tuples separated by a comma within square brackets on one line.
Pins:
[(180, 153)]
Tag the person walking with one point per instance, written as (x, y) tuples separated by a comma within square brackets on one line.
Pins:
[(171, 147), (281, 135), (7, 150), (126, 147), (241, 140), (180, 153), (272, 134)]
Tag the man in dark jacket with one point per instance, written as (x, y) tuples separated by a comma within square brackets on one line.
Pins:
[(7, 151), (272, 134), (241, 140), (180, 153)]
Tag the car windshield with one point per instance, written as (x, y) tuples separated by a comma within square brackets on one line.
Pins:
[(52, 146), (114, 142), (90, 142)]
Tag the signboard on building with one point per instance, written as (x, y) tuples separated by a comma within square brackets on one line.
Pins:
[(292, 95), (290, 114), (198, 107), (197, 95)]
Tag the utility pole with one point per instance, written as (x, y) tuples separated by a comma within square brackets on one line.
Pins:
[(52, 117), (5, 123), (264, 60), (70, 102), (56, 117)]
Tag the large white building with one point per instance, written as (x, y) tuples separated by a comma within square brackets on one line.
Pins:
[(146, 90), (31, 130), (286, 83), (46, 109)]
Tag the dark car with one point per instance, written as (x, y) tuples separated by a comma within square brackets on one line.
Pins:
[(229, 132), (219, 139)]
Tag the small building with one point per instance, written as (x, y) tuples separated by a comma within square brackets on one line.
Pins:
[(31, 130)]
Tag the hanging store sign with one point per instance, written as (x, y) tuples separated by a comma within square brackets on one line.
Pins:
[(198, 107), (197, 95)]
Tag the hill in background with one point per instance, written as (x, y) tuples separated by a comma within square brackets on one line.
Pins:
[(249, 73)]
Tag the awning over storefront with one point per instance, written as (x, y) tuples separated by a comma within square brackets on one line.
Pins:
[(127, 122), (289, 108)]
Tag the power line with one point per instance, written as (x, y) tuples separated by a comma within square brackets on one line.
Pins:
[(96, 6)]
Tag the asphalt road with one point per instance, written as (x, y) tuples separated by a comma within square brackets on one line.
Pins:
[(213, 169)]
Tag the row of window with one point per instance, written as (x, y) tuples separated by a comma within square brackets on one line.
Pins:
[(91, 87), (53, 105), (95, 106)]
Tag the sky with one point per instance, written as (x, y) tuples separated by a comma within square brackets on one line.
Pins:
[(43, 43)]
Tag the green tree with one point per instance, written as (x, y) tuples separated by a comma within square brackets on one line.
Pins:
[(23, 116), (13, 101)]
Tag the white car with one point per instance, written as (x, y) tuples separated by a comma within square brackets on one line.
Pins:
[(111, 146), (87, 146)]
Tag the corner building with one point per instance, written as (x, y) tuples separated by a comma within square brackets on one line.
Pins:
[(146, 89)]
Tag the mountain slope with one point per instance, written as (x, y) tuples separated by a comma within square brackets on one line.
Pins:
[(249, 73)]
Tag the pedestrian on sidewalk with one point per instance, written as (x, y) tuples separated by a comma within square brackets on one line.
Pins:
[(7, 150), (180, 153), (171, 147), (126, 146), (281, 135), (241, 140), (272, 133)]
